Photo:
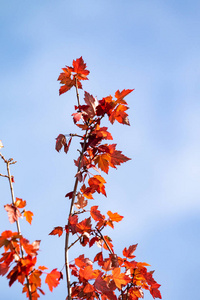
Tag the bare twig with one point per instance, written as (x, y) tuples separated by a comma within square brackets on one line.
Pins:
[(4, 175), (77, 93), (9, 162), (102, 237)]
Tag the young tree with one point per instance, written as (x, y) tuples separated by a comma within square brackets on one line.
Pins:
[(106, 275)]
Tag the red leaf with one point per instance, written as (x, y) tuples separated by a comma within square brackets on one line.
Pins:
[(92, 104), (79, 67), (57, 230), (60, 141), (154, 291), (95, 214), (102, 286), (129, 252), (70, 195), (84, 226), (77, 116), (4, 268), (52, 279), (120, 278)]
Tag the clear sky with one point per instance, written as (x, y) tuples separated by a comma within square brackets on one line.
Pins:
[(152, 46)]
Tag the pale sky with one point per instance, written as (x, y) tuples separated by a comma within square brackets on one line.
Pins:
[(151, 46)]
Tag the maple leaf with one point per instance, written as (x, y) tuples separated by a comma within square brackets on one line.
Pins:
[(13, 212), (120, 95), (81, 202), (154, 291), (77, 116), (103, 133), (84, 226), (103, 161), (82, 262), (73, 220), (57, 230), (115, 217), (129, 252), (97, 184), (101, 285), (88, 288), (92, 104), (52, 279), (95, 213), (60, 141), (20, 203), (66, 79), (29, 216), (35, 279), (31, 249), (5, 238), (70, 195), (119, 115), (87, 273), (120, 278), (79, 67), (117, 157)]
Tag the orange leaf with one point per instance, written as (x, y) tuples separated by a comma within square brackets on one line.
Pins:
[(28, 215), (52, 279), (87, 273), (129, 252), (20, 203), (103, 161), (120, 278), (57, 230), (84, 226), (42, 268), (89, 288), (120, 95), (115, 217)]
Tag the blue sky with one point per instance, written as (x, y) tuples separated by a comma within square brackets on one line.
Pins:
[(152, 46)]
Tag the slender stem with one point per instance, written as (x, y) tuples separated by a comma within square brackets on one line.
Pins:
[(111, 251), (70, 213), (8, 163), (13, 198), (77, 93)]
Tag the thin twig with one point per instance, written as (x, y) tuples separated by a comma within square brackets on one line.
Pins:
[(77, 93), (70, 213), (4, 175), (72, 244), (8, 163), (102, 237)]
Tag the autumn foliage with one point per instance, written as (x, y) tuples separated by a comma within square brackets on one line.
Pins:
[(106, 275)]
